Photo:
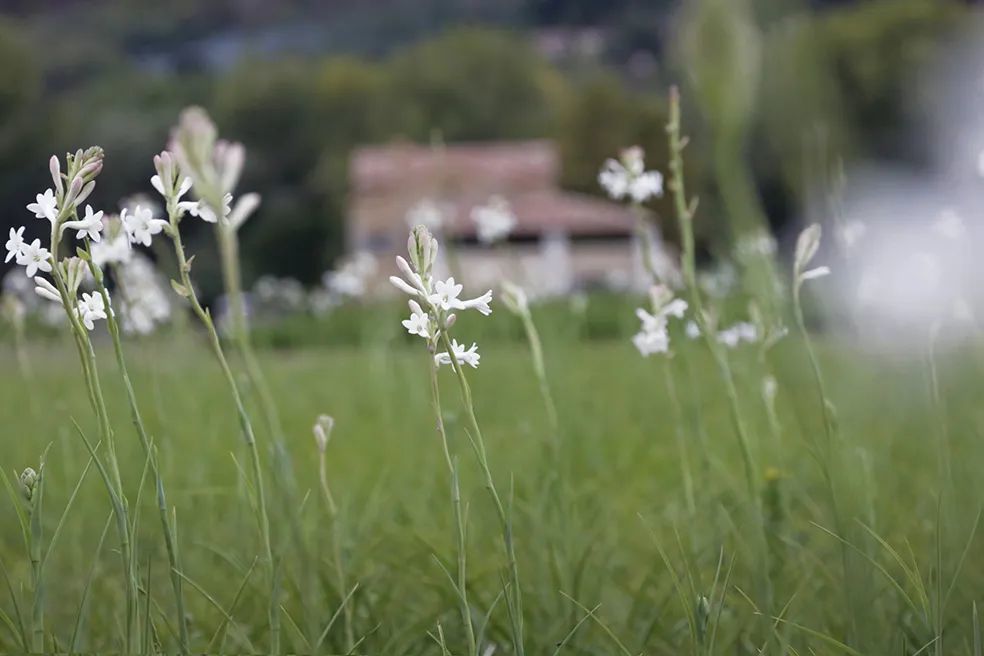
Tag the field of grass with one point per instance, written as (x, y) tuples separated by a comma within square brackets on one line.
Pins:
[(634, 528)]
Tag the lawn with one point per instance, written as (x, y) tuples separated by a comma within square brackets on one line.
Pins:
[(634, 526)]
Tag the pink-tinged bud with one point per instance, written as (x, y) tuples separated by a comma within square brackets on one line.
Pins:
[(54, 165), (74, 189), (229, 159), (91, 170), (450, 321), (86, 191)]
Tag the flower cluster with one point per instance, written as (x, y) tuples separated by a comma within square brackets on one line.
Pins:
[(494, 220), (428, 213), (653, 337), (628, 177), (433, 302), (212, 166), (62, 207), (146, 301)]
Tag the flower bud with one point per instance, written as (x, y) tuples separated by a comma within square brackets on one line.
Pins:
[(322, 431), (450, 321), (229, 158), (54, 165), (514, 297), (28, 482)]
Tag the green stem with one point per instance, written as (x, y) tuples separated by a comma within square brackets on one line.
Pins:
[(170, 542), (459, 525), (478, 445), (244, 421), (37, 564)]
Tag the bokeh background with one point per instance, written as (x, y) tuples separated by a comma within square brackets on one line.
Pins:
[(777, 94)]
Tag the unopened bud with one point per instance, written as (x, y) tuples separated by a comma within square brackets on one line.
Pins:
[(322, 431), (450, 320), (54, 165), (28, 482)]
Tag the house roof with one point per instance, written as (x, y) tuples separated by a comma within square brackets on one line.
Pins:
[(388, 180)]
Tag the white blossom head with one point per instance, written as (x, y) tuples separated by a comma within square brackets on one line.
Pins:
[(627, 177), (494, 220), (323, 426)]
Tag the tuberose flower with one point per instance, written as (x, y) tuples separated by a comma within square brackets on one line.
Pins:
[(141, 225), (90, 225), (627, 176), (468, 356), (34, 258), (15, 245), (419, 321), (494, 220), (91, 308), (46, 206)]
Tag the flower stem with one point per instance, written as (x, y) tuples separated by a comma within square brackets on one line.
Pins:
[(459, 525), (170, 542), (246, 425), (513, 596)]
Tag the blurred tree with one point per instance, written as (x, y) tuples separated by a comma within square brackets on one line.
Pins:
[(25, 122), (472, 84)]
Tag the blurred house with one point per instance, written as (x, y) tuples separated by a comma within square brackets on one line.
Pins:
[(561, 241)]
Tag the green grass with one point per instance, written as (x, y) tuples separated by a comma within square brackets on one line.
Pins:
[(603, 525)]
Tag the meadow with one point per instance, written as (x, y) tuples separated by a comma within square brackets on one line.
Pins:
[(634, 531), (360, 482)]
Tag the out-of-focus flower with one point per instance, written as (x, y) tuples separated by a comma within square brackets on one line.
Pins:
[(469, 356), (141, 225), (146, 302), (653, 336), (91, 308), (322, 431), (742, 331), (494, 220), (514, 298), (950, 225), (850, 233), (627, 176), (759, 243), (807, 246), (691, 329), (427, 213), (351, 278), (115, 248)]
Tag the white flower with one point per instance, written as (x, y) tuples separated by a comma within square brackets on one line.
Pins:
[(652, 340), (950, 225), (90, 309), (46, 206), (419, 321), (90, 225), (158, 184), (628, 177), (15, 245), (322, 431), (691, 330), (494, 220), (851, 233), (34, 258), (740, 332), (141, 225), (115, 249), (807, 245), (205, 212), (428, 214), (481, 304), (446, 294), (468, 356)]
